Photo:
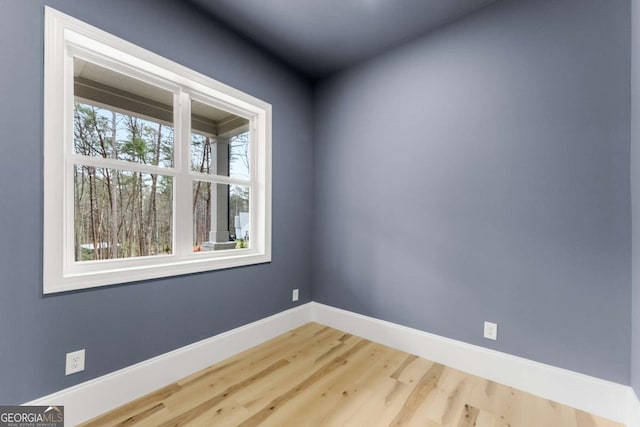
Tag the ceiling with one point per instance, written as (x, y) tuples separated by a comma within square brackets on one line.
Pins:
[(318, 37)]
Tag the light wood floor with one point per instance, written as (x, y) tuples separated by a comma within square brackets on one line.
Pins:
[(318, 376)]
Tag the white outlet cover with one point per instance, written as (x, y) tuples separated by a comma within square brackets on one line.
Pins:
[(295, 295), (75, 362), (491, 330)]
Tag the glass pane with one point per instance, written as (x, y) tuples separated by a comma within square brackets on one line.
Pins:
[(239, 156), (119, 117), (219, 142), (221, 217), (201, 152), (121, 214)]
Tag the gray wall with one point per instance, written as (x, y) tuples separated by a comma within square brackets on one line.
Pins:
[(635, 193), (482, 173), (479, 173), (122, 325)]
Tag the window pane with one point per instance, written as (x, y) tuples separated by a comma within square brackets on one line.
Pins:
[(121, 214), (119, 117), (219, 142), (239, 156), (201, 152), (220, 216)]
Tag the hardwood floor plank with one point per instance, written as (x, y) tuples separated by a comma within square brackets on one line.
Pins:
[(134, 408), (203, 386), (423, 388), (445, 405), (485, 419), (414, 371), (142, 416), (344, 394), (195, 412), (410, 358), (319, 376), (281, 400), (469, 416), (302, 364)]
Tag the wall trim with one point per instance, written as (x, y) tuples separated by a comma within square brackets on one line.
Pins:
[(610, 400), (600, 397), (634, 409), (92, 398)]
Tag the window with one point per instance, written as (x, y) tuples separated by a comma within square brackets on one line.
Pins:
[(150, 169)]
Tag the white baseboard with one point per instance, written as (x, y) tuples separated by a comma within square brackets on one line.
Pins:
[(634, 409), (594, 395), (92, 398)]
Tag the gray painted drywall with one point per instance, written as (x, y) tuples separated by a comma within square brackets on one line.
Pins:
[(482, 173), (635, 194), (121, 325)]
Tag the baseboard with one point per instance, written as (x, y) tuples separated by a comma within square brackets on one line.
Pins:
[(594, 395), (604, 398), (634, 409), (95, 397)]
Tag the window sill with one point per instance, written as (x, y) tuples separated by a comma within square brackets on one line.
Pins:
[(70, 281)]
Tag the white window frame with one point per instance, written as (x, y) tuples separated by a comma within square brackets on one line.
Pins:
[(66, 37)]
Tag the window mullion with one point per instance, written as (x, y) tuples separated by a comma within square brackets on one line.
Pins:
[(108, 163), (183, 230), (220, 179)]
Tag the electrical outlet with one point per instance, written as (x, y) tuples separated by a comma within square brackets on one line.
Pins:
[(295, 295), (75, 362), (491, 331)]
